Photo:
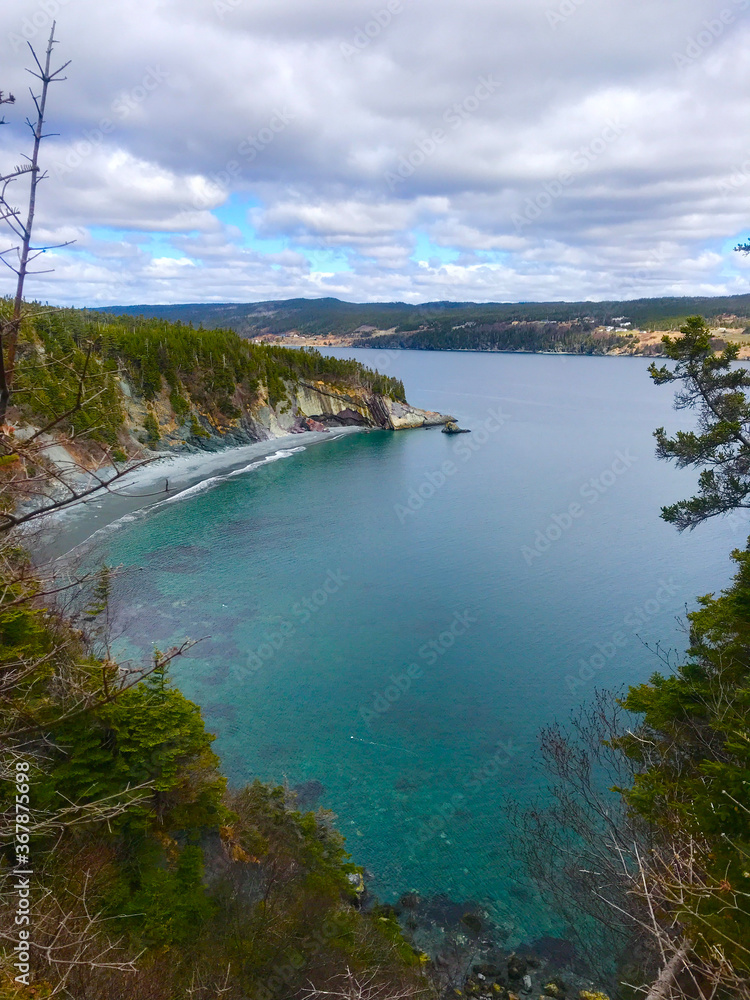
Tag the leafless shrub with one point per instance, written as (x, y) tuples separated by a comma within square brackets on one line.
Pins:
[(366, 987)]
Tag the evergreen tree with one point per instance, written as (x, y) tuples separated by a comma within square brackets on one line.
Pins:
[(714, 386)]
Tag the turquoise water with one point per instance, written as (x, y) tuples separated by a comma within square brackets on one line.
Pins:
[(394, 630)]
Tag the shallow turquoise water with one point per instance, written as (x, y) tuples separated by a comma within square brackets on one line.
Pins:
[(335, 652)]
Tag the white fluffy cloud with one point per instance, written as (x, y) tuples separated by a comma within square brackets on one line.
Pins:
[(384, 149)]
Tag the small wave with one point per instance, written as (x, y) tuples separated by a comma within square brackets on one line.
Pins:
[(96, 536), (205, 484), (180, 467), (282, 453), (247, 468)]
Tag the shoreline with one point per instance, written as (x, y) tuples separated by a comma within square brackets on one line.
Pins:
[(185, 474), (473, 350)]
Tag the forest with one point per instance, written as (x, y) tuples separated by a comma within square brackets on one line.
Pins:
[(316, 317), (481, 335), (206, 367)]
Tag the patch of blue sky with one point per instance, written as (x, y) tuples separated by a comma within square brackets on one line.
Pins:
[(425, 249), (727, 247), (157, 244), (236, 212), (331, 260), (491, 256), (729, 266)]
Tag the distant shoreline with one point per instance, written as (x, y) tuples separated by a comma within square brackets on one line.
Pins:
[(645, 339), (475, 350)]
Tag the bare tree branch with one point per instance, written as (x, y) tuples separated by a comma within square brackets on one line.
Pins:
[(9, 329)]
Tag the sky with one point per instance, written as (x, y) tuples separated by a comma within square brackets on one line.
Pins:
[(411, 150)]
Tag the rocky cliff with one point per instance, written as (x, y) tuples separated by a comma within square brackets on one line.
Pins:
[(306, 406)]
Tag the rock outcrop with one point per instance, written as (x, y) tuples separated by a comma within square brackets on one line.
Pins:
[(452, 427), (307, 406)]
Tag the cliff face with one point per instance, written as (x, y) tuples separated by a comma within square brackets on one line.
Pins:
[(307, 406)]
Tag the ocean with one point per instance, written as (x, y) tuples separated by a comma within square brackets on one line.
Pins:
[(387, 620)]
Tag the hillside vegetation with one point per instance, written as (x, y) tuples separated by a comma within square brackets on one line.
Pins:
[(320, 317), (204, 371), (443, 335)]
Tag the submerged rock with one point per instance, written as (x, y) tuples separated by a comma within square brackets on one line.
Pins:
[(489, 971), (556, 950), (307, 793), (472, 921), (517, 967), (409, 901)]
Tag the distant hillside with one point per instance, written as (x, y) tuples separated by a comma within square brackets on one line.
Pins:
[(329, 316), (444, 335)]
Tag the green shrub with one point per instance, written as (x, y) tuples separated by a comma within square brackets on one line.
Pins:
[(151, 426), (196, 430), (179, 404)]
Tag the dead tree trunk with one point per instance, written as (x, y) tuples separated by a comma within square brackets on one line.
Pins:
[(662, 988), (26, 253)]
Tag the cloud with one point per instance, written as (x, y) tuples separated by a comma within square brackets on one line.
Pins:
[(249, 149)]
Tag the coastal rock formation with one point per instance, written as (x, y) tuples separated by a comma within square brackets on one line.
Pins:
[(401, 416), (349, 408), (307, 406), (452, 427)]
